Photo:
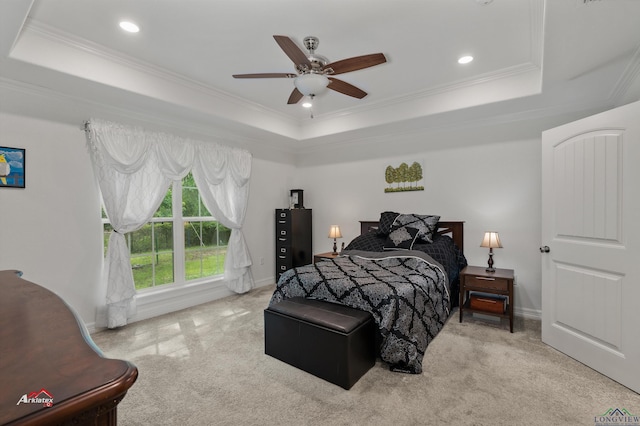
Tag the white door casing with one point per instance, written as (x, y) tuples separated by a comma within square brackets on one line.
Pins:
[(591, 224)]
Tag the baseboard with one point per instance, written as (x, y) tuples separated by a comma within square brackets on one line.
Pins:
[(534, 314), (265, 281)]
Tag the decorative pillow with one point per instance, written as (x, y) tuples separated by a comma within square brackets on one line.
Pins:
[(386, 220), (401, 238), (425, 224)]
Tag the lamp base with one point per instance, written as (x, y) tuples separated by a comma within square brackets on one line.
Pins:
[(490, 262), (335, 247)]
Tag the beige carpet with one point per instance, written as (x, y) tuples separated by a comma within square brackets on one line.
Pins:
[(206, 366)]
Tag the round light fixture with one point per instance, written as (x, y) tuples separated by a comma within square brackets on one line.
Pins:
[(307, 104), (465, 59), (129, 27), (311, 84)]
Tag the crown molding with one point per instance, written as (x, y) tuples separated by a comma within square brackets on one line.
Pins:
[(424, 95), (295, 125), (279, 149), (80, 44), (407, 134)]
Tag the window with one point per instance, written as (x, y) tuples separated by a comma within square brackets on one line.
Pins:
[(182, 242), (205, 239)]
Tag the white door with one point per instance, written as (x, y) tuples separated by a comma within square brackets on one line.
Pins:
[(591, 242)]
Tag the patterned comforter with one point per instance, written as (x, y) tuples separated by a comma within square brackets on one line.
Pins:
[(406, 292)]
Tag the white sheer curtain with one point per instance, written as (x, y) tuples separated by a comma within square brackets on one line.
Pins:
[(222, 177), (134, 169)]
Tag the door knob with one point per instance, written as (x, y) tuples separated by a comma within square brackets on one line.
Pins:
[(545, 249)]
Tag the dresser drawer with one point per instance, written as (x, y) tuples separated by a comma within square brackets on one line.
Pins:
[(283, 215), (283, 264), (283, 240), (282, 233), (493, 283)]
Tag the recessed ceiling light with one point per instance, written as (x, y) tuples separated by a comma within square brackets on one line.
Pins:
[(129, 26), (465, 59)]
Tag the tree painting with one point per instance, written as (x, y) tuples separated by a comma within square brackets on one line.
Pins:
[(403, 177)]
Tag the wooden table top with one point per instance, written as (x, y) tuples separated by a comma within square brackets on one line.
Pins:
[(46, 353)]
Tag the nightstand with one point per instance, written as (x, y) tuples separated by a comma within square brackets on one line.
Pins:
[(500, 282), (327, 255)]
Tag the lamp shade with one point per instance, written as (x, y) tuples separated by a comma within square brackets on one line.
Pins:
[(491, 240), (311, 84), (334, 232)]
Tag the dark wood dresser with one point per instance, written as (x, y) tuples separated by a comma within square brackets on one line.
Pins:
[(51, 371), (293, 239)]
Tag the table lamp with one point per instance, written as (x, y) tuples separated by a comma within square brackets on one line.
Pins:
[(491, 240), (334, 232)]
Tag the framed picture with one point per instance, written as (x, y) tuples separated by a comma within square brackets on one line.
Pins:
[(296, 199), (11, 167), (405, 177)]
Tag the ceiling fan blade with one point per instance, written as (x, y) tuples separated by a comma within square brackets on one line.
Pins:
[(356, 63), (346, 88), (266, 75), (292, 50), (295, 97)]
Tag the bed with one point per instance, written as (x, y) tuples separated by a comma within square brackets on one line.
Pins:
[(403, 269)]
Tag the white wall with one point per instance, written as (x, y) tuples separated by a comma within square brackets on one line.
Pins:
[(270, 184), (51, 230), (490, 187)]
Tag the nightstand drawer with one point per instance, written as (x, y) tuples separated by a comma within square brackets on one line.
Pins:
[(486, 282), (498, 284)]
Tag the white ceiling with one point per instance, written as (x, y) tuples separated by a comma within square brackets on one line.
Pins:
[(67, 60)]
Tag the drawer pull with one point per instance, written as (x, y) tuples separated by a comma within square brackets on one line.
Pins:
[(282, 257), (485, 278), (283, 250), (282, 221), (282, 239), (283, 215), (283, 232)]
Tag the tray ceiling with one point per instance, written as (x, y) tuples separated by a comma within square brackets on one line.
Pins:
[(68, 60)]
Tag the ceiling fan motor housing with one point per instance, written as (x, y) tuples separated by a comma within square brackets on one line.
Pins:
[(317, 61)]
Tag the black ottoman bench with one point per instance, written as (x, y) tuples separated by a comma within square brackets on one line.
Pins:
[(331, 341)]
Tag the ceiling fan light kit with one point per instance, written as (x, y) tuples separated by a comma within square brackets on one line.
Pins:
[(311, 84), (313, 69)]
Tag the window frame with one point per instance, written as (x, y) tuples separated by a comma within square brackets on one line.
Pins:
[(178, 235)]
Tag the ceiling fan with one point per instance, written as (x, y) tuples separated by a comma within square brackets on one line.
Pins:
[(314, 71)]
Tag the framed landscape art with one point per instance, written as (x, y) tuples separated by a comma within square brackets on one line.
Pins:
[(12, 170), (404, 177)]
